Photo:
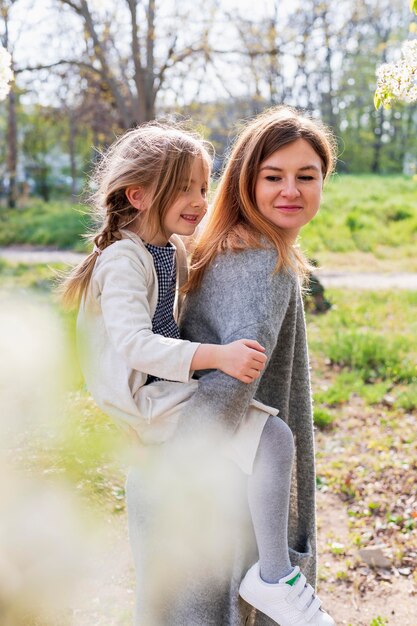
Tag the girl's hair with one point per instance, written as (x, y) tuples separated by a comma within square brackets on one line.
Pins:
[(155, 157), (235, 222)]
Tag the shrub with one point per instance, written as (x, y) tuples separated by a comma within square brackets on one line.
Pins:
[(322, 417), (372, 355)]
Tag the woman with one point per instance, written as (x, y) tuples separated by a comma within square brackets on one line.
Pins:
[(245, 281), (245, 276)]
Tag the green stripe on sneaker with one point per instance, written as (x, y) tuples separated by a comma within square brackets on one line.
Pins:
[(293, 580)]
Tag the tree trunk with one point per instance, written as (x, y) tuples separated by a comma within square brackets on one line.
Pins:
[(71, 148), (12, 149), (11, 134), (377, 145)]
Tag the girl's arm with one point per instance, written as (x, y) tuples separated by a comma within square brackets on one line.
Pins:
[(120, 284)]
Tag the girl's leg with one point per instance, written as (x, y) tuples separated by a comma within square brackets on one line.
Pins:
[(269, 497), (273, 586)]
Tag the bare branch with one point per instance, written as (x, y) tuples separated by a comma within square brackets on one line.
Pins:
[(81, 64), (73, 6), (165, 66)]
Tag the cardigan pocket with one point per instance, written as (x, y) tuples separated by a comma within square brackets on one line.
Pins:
[(161, 405), (163, 397)]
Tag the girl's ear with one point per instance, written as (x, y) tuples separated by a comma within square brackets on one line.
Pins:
[(135, 196)]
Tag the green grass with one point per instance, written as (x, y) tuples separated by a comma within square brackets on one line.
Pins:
[(58, 224), (378, 621), (365, 346), (365, 214), (372, 355), (323, 418)]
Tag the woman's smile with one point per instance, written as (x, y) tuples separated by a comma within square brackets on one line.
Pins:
[(289, 209)]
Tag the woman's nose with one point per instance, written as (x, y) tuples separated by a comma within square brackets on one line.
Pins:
[(290, 189)]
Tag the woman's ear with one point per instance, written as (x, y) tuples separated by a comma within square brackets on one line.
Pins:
[(135, 196)]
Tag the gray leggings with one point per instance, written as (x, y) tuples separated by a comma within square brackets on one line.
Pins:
[(269, 497)]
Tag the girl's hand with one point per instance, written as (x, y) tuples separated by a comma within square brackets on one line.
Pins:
[(243, 359)]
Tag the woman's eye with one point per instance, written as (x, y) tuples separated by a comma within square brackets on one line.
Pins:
[(306, 177), (273, 179)]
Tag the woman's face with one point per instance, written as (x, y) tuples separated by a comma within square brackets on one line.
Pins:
[(289, 185)]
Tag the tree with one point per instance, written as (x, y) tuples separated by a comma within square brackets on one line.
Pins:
[(11, 140), (134, 74)]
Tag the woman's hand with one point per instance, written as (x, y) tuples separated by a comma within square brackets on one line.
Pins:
[(243, 359)]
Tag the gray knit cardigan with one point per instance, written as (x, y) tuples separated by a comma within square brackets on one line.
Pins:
[(242, 297)]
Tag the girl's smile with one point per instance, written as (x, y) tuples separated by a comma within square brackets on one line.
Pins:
[(193, 219), (288, 186)]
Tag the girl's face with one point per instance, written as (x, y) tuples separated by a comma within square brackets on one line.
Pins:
[(183, 217), (289, 185)]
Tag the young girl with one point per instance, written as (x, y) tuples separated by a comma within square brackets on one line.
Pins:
[(247, 264), (151, 186)]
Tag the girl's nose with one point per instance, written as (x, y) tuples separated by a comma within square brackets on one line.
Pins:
[(199, 201)]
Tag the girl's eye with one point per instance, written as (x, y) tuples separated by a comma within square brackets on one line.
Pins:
[(204, 192)]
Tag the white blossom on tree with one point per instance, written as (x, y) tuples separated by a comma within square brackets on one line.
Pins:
[(6, 74), (398, 81)]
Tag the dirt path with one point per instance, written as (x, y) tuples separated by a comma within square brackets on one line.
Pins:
[(107, 598), (352, 280), (393, 599)]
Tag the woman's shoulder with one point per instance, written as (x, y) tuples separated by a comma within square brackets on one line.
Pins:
[(253, 262), (246, 256)]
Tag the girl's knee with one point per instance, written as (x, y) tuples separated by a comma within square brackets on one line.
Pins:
[(279, 435)]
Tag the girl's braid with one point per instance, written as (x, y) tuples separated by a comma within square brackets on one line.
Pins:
[(118, 215)]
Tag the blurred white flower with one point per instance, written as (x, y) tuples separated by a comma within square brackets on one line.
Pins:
[(398, 81), (44, 550), (32, 366), (192, 516), (45, 547), (6, 74)]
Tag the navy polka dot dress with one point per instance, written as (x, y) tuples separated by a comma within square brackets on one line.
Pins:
[(163, 322)]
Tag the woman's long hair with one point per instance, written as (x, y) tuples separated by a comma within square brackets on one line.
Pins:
[(156, 158), (235, 222)]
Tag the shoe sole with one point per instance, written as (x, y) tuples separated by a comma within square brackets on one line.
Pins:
[(246, 596)]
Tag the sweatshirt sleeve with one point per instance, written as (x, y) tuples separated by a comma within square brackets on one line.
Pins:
[(220, 399), (122, 289)]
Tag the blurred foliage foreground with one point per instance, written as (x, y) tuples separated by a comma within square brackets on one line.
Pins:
[(65, 461)]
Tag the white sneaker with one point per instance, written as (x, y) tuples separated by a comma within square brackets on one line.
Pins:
[(290, 602)]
